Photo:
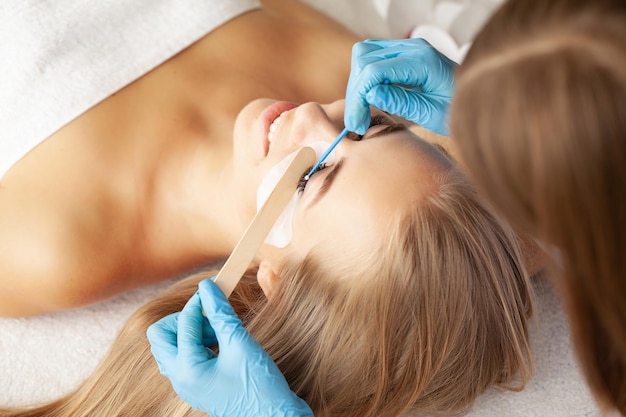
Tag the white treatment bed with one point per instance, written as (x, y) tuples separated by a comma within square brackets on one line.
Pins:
[(44, 357)]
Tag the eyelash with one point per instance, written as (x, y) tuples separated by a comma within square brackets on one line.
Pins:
[(379, 119), (376, 120), (303, 180)]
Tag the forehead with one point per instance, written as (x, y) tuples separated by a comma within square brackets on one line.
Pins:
[(379, 179)]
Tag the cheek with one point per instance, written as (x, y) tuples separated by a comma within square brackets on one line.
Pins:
[(339, 233), (244, 164), (248, 149), (304, 234), (242, 128), (243, 189)]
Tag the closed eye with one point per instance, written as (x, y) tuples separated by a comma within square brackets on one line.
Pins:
[(304, 180), (378, 119)]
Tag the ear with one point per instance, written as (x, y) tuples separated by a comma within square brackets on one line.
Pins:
[(266, 277)]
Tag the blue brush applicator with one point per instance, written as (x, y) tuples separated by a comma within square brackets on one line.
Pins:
[(342, 135)]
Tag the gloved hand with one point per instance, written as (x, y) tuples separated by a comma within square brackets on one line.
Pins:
[(405, 77), (242, 380)]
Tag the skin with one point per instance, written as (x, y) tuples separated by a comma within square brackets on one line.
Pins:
[(131, 192), (365, 189), (143, 186)]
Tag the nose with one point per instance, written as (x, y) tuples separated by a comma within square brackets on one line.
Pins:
[(313, 122)]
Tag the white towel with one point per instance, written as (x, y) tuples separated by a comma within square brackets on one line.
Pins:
[(58, 58), (42, 358)]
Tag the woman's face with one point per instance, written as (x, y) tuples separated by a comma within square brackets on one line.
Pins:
[(345, 206)]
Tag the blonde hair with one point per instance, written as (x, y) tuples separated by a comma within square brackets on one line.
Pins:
[(425, 324), (540, 119)]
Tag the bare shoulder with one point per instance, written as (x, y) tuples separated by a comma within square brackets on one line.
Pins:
[(296, 9), (47, 259)]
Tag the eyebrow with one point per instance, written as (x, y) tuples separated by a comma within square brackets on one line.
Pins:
[(330, 177), (390, 128), (328, 181), (444, 152)]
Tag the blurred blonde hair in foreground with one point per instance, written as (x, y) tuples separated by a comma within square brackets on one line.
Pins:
[(424, 324), (540, 119)]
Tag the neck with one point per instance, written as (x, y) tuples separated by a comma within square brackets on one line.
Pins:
[(191, 197), (196, 206)]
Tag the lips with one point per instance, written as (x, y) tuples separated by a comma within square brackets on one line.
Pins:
[(269, 120), (274, 126)]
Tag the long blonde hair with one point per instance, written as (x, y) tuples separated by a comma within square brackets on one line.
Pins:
[(425, 324), (540, 119)]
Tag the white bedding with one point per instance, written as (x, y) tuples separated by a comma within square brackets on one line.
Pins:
[(44, 357), (48, 44)]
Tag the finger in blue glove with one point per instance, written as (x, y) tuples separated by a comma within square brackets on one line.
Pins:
[(420, 83), (242, 380)]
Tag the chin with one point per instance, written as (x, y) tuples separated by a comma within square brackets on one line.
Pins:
[(250, 131)]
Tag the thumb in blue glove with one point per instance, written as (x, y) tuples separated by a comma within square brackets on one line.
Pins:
[(405, 77), (242, 380)]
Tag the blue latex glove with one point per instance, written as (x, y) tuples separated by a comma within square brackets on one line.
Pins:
[(242, 380), (420, 83)]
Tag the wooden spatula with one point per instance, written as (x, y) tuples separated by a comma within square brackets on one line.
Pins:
[(262, 223)]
